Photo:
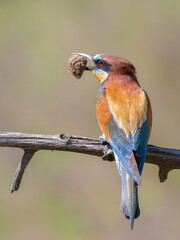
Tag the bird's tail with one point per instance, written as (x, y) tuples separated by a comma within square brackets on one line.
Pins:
[(129, 197)]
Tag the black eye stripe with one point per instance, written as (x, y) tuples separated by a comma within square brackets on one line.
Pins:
[(104, 65), (100, 62)]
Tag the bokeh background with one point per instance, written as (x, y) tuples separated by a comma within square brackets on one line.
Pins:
[(69, 195)]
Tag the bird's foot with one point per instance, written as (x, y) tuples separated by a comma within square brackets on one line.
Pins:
[(108, 156), (102, 138)]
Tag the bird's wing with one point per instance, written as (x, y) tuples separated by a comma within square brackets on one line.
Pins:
[(122, 116)]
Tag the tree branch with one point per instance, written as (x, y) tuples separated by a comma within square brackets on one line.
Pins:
[(28, 154), (167, 159)]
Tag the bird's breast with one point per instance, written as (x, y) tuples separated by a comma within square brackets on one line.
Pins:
[(103, 112), (125, 102)]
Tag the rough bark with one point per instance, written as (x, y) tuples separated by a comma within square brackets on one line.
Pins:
[(167, 159)]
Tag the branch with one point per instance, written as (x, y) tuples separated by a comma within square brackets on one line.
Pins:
[(167, 159), (28, 154)]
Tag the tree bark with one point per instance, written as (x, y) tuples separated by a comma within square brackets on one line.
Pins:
[(166, 158)]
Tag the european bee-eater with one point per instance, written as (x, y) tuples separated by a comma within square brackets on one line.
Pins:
[(124, 115)]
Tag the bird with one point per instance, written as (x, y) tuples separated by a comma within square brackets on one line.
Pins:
[(124, 114)]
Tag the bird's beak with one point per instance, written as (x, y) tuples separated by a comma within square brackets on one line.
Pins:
[(88, 56), (100, 72)]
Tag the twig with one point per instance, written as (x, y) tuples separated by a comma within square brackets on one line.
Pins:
[(167, 159), (28, 154)]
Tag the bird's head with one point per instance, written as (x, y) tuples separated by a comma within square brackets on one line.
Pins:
[(105, 64)]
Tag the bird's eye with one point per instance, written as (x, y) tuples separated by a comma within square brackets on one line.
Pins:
[(101, 62)]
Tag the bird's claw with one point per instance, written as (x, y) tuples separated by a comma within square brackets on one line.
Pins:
[(102, 138), (108, 156)]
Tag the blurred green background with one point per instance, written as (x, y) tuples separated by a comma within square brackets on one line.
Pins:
[(74, 196)]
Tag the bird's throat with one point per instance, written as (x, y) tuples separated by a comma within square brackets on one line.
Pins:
[(100, 74)]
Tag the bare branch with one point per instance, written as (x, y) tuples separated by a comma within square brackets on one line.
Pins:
[(28, 154), (167, 159)]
